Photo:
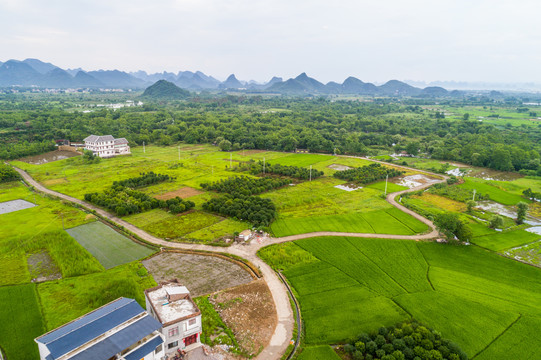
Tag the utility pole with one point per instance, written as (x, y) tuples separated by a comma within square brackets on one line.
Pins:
[(386, 178), (263, 166), (62, 216), (212, 166), (474, 191), (230, 160), (144, 151), (310, 172), (179, 153)]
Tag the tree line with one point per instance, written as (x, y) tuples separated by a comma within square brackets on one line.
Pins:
[(367, 174), (318, 124), (254, 209), (259, 167), (245, 186), (145, 179)]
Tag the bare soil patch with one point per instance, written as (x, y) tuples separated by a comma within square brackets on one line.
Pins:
[(48, 157), (248, 310), (42, 267), (201, 274), (412, 181), (182, 193), (339, 167)]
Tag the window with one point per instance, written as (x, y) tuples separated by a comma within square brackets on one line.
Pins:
[(172, 345), (173, 331), (158, 349), (192, 322)]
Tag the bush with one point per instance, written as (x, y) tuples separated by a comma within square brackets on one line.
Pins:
[(245, 186), (367, 174), (7, 173)]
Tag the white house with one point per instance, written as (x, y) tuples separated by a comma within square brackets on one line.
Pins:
[(107, 145), (120, 330), (171, 304)]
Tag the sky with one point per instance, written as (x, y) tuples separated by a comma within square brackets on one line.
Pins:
[(424, 40)]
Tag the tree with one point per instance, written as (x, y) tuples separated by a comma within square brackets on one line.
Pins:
[(225, 145), (496, 222), (466, 116), (412, 148), (470, 204), (522, 209), (450, 226)]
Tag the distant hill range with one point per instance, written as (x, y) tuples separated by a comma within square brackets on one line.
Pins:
[(33, 72)]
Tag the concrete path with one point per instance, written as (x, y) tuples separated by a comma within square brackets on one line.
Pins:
[(284, 329)]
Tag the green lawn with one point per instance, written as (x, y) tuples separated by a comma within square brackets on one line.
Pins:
[(349, 285), (20, 320), (107, 245)]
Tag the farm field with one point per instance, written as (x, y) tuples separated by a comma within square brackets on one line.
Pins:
[(454, 289), (493, 189), (109, 247), (499, 241), (21, 321), (202, 163), (66, 299), (376, 222), (318, 353)]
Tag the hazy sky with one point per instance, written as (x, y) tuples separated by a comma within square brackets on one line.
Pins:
[(474, 40)]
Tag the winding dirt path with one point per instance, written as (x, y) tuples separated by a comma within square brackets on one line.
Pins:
[(284, 329)]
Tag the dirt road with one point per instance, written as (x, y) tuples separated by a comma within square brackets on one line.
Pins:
[(284, 329)]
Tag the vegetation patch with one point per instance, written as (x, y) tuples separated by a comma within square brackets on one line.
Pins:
[(21, 321), (42, 267), (367, 174), (259, 167), (7, 173), (256, 210), (245, 186), (404, 341), (175, 227), (499, 241), (491, 190), (67, 299), (108, 246), (323, 352)]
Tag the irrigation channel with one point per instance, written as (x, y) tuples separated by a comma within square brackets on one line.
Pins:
[(283, 332)]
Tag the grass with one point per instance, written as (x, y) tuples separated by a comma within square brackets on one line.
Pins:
[(492, 189), (391, 187), (66, 299), (318, 353), (511, 341), (215, 331), (388, 221), (108, 246), (349, 285), (21, 321), (499, 241)]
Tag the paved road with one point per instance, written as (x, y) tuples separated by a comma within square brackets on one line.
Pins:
[(284, 330)]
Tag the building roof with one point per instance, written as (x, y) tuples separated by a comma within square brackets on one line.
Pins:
[(121, 141), (96, 138), (95, 324), (172, 302), (145, 349)]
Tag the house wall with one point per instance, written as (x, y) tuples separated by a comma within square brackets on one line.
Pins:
[(184, 330)]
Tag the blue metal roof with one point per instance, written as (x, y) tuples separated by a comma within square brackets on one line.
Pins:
[(119, 341), (145, 349), (90, 326)]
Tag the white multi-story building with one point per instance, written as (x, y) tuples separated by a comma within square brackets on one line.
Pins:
[(171, 304), (107, 145), (120, 330)]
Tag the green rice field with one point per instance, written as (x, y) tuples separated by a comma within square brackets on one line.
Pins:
[(21, 321), (318, 353), (349, 285), (108, 246), (499, 241), (493, 189)]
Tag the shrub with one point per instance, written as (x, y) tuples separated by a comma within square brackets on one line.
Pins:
[(367, 174)]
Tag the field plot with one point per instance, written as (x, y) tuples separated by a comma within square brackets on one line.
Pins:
[(67, 299), (349, 285), (390, 221), (21, 321), (14, 205), (511, 342), (301, 160), (108, 246), (530, 253), (318, 353), (182, 193), (493, 189), (504, 240), (219, 273)]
